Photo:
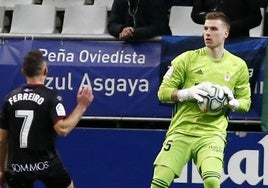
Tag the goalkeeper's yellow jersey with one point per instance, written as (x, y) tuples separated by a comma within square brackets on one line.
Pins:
[(196, 66)]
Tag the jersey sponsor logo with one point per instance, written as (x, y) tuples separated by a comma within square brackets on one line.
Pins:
[(28, 90), (59, 98), (199, 71), (30, 167), (26, 97), (227, 76), (216, 148), (60, 110)]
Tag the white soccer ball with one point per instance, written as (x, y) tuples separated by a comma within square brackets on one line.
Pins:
[(215, 102)]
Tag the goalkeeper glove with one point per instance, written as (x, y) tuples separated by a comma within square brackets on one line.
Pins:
[(233, 103), (196, 92)]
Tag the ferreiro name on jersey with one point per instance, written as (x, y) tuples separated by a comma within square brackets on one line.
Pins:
[(26, 97)]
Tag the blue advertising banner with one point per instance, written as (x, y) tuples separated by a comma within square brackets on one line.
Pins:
[(124, 76), (109, 158)]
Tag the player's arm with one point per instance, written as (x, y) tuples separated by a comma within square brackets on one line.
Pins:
[(243, 91), (240, 98), (245, 100), (84, 99), (3, 154), (171, 86), (172, 80)]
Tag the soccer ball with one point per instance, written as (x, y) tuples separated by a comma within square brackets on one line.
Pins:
[(214, 102)]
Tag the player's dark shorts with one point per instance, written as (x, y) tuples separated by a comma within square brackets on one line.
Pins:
[(56, 176)]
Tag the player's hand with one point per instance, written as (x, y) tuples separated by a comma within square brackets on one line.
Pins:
[(126, 33), (233, 103), (196, 92), (85, 96)]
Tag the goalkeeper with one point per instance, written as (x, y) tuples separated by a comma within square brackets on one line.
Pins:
[(193, 134)]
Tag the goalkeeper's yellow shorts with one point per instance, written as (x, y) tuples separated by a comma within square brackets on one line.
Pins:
[(178, 149)]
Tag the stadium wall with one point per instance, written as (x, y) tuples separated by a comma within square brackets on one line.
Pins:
[(109, 158)]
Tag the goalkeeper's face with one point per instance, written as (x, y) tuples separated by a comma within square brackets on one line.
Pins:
[(215, 33)]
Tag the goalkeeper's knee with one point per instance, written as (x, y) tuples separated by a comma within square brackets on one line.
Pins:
[(163, 176), (210, 172), (212, 182)]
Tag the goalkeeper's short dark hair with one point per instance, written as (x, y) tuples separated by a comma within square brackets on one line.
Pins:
[(218, 15)]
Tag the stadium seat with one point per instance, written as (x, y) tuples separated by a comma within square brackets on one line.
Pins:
[(2, 19), (81, 19), (181, 2), (62, 4), (10, 4), (107, 3), (181, 23), (258, 31), (32, 19)]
